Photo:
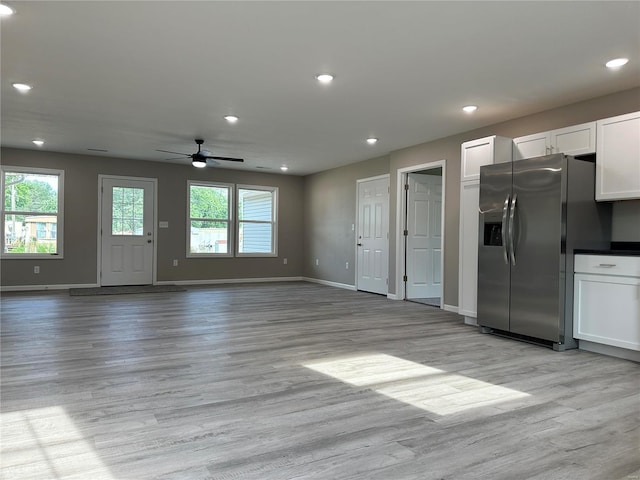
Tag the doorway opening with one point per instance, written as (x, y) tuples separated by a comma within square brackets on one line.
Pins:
[(421, 233)]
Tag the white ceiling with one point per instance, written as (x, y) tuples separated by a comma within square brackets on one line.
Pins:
[(133, 77)]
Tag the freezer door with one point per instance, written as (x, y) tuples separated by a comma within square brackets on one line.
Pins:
[(493, 263), (538, 226)]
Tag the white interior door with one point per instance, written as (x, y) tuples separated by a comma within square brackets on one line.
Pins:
[(127, 234), (424, 236), (373, 235)]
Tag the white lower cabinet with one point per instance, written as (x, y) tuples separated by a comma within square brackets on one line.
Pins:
[(607, 300)]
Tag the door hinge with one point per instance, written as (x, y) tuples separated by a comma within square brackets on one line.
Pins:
[(405, 232), (406, 187), (404, 279)]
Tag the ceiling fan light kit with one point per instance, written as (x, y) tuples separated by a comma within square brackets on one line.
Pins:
[(199, 163)]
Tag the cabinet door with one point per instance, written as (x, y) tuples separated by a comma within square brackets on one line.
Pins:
[(468, 268), (618, 157), (607, 310), (575, 140), (531, 146), (475, 154)]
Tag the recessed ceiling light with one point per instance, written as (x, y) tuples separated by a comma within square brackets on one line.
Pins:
[(372, 140), (284, 168), (199, 163), (5, 11), (324, 78), (22, 87), (38, 142), (470, 108), (231, 118), (617, 62)]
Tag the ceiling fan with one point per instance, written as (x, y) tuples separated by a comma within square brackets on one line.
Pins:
[(199, 159)]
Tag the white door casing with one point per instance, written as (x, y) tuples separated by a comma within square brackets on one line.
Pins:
[(401, 212), (127, 233), (373, 235), (424, 236)]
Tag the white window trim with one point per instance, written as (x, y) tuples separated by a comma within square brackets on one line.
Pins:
[(274, 221), (60, 214), (231, 227)]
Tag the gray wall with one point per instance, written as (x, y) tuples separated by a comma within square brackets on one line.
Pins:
[(332, 182), (79, 265), (330, 213), (626, 221), (316, 212)]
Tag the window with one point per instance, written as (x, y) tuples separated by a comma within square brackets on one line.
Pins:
[(41, 230), (31, 212), (257, 227), (210, 217)]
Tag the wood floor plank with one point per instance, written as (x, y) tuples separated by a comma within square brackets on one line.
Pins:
[(297, 381)]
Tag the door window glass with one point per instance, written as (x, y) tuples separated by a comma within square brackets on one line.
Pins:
[(128, 211)]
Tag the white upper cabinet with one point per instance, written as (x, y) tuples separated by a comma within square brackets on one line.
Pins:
[(574, 140), (530, 146), (618, 158), (483, 151)]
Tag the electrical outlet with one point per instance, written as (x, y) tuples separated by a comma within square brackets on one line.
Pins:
[(175, 262), (346, 265), (36, 269), (284, 260), (317, 262)]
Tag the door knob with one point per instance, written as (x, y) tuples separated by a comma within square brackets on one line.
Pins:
[(148, 241)]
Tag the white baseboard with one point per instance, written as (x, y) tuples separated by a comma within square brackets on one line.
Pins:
[(471, 321), (218, 281), (393, 296), (24, 288), (30, 288), (617, 352), (330, 284), (450, 308)]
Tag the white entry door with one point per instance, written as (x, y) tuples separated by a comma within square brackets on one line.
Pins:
[(127, 232), (424, 236), (373, 235)]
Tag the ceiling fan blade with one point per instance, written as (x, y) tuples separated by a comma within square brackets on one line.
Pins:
[(175, 158), (176, 153), (229, 159)]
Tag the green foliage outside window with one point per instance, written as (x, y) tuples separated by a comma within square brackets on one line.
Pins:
[(210, 203)]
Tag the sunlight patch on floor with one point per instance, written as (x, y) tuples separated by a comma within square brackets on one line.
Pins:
[(419, 385), (44, 443)]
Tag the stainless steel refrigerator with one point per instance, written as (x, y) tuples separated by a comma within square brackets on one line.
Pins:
[(533, 213)]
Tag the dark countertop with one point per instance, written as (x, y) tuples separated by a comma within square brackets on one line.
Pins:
[(626, 253), (629, 249)]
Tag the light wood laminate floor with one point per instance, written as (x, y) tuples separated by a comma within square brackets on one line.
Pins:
[(298, 381)]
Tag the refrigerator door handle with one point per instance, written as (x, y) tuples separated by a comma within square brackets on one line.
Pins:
[(505, 213), (512, 215)]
